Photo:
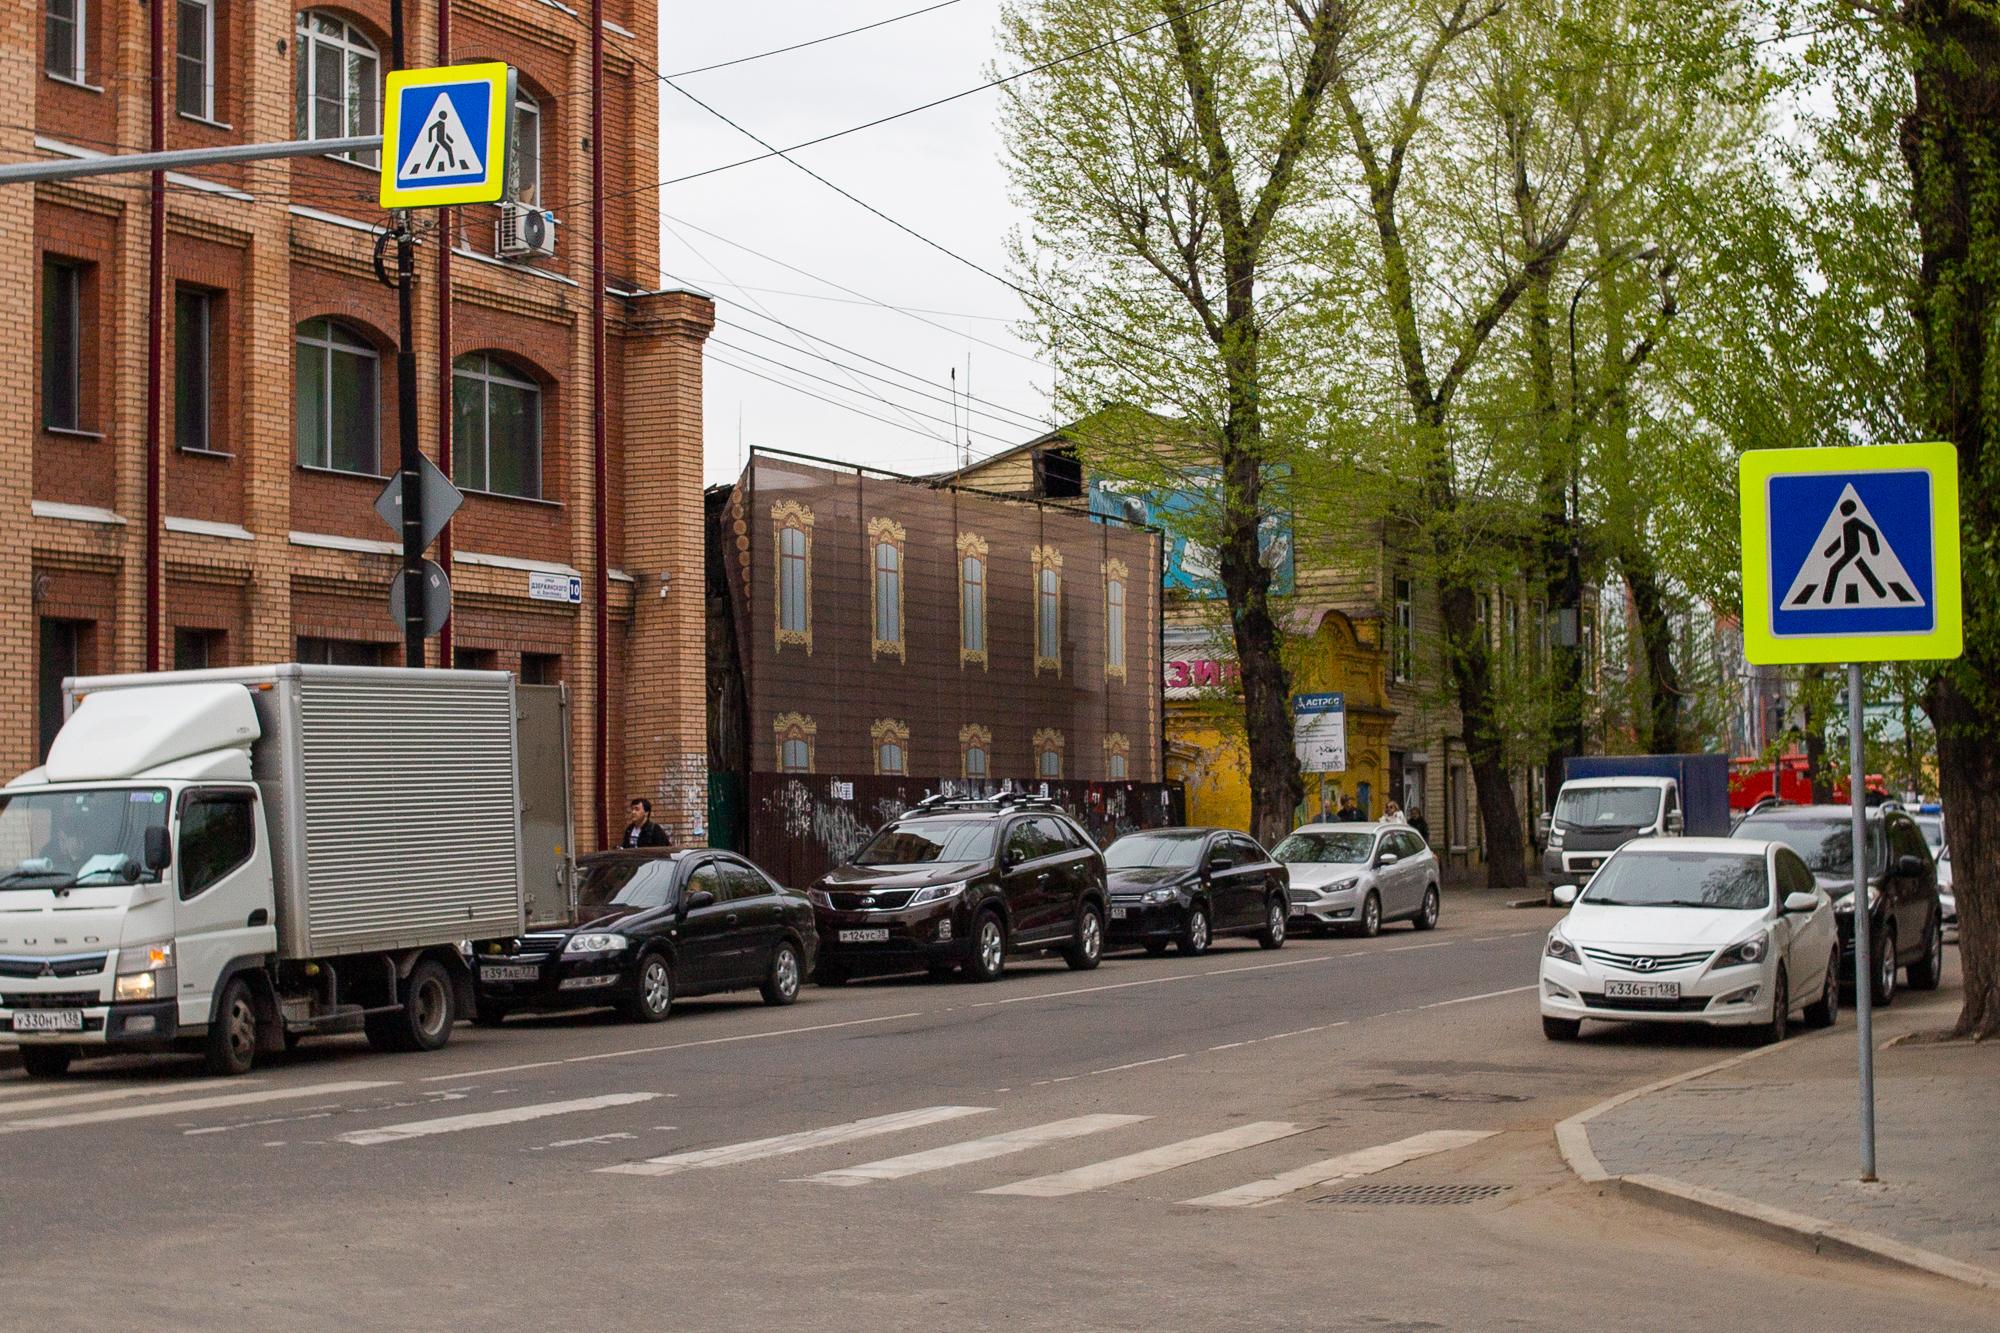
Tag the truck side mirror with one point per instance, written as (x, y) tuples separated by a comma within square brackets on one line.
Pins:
[(159, 848), (1676, 823)]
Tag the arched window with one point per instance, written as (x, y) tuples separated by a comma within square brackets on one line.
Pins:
[(337, 385), (975, 749), (336, 81), (791, 530), (1048, 609), (1115, 576), (796, 733), (1117, 756), (886, 540), (496, 428), (1048, 753), (971, 601), (526, 162), (892, 747)]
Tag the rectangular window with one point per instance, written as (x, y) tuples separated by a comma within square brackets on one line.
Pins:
[(197, 649), (62, 345), (1114, 627), (218, 835), (61, 656), (194, 59), (341, 652), (64, 29), (797, 757), (527, 164), (1048, 615), (1401, 656), (792, 580), (541, 668), (972, 589), (193, 312), (888, 593), (475, 659)]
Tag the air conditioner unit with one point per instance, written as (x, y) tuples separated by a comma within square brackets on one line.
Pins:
[(524, 230)]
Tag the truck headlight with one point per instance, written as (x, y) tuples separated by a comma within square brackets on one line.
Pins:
[(1556, 836), (938, 893), (594, 943), (146, 972), (1751, 950)]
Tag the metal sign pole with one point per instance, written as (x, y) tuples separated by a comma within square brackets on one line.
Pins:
[(409, 463), (1864, 920)]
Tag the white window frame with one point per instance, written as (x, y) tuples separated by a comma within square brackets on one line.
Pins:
[(339, 338), (1402, 650), (490, 371), (527, 129), (78, 20), (348, 42), (206, 109)]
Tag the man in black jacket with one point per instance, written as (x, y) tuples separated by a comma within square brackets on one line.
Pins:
[(640, 830)]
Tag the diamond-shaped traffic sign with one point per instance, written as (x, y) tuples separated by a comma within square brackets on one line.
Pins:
[(439, 498)]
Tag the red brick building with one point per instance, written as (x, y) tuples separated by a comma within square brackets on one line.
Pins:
[(277, 385)]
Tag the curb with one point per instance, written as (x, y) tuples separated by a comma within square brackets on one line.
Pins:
[(1815, 1234)]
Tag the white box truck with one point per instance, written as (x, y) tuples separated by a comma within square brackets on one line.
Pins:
[(230, 860)]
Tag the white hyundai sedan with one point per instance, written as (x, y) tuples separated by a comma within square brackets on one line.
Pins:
[(1693, 930)]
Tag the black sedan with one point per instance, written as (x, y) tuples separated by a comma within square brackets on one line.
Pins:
[(1187, 886), (653, 926)]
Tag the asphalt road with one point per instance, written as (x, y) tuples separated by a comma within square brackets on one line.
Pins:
[(1061, 1150)]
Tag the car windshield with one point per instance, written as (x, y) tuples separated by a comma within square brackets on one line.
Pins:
[(1153, 849), (1324, 849), (1734, 881), (923, 841), (1827, 845), (623, 883), (1933, 827), (71, 838), (1607, 807)]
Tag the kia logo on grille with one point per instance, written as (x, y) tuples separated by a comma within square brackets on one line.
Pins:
[(1644, 964)]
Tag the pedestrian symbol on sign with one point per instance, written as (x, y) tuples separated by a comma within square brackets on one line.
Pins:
[(1851, 564), (443, 149)]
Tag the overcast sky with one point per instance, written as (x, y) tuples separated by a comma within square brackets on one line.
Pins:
[(937, 171)]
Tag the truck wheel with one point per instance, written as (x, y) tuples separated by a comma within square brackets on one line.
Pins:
[(423, 1023), (46, 1061), (232, 1038)]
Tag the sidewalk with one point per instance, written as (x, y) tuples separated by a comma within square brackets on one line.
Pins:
[(1778, 1131)]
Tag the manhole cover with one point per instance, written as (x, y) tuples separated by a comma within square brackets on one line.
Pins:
[(1415, 1194)]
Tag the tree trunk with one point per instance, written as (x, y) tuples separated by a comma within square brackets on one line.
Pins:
[(1660, 722), (1471, 663), (1951, 141), (1275, 785), (1813, 709)]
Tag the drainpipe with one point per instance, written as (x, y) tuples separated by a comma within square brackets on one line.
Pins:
[(155, 335), (599, 571), (447, 218)]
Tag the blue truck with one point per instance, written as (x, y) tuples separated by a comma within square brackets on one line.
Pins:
[(1608, 800)]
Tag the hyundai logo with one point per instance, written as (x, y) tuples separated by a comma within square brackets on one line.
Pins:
[(1644, 964)]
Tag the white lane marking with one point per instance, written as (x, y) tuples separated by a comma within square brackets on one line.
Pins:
[(1119, 1170), (107, 1113), (109, 1095), (1139, 1064), (326, 1114), (674, 1046), (613, 1137), (1365, 1162), (1488, 995), (756, 1149), (975, 1150), (1156, 981), (510, 1115)]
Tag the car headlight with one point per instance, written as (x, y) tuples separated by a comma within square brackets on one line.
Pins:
[(1343, 885), (1751, 950), (819, 898), (145, 972), (939, 893), (593, 943), (1161, 895), (1558, 947)]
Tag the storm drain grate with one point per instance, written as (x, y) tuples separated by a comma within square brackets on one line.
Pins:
[(1415, 1194)]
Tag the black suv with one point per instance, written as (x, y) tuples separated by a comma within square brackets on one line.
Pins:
[(1906, 915), (962, 884)]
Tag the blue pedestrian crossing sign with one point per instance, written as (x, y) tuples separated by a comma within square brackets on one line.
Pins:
[(445, 134), (1850, 554)]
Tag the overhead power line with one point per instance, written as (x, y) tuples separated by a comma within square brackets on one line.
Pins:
[(816, 41)]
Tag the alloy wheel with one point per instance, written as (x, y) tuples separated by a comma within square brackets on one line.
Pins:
[(656, 986), (990, 946), (1093, 936), (1276, 925), (786, 973), (1198, 931), (1430, 907), (1885, 968), (1371, 916)]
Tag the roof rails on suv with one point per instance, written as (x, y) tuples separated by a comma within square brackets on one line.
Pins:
[(1006, 800)]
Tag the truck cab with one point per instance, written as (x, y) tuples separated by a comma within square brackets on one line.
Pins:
[(1594, 817)]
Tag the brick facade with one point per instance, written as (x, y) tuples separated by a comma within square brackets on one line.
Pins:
[(258, 550)]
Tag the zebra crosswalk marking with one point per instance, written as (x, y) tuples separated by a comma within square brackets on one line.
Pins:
[(1119, 1170), (108, 1113), (974, 1150), (1365, 1162), (510, 1115), (106, 1094), (784, 1144)]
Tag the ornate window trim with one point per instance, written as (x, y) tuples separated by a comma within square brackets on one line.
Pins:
[(1117, 757), (881, 532), (1116, 575), (1048, 741), (889, 731), (1047, 562), (791, 727), (972, 737), (973, 547), (791, 514)]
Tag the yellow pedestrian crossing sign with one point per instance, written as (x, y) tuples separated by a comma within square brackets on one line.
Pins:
[(445, 134), (1850, 554)]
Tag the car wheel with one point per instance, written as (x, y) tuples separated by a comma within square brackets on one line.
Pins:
[(1427, 915), (1781, 1012), (231, 1047), (1929, 971), (1823, 1012), (1088, 947), (47, 1061), (1157, 948), (652, 996), (781, 984), (989, 949), (1371, 917), (1273, 935), (1194, 940), (1561, 1029), (1883, 989)]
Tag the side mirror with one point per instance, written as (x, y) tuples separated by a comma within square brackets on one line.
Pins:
[(1801, 902), (159, 848), (1387, 859), (700, 898), (1676, 823), (1909, 866), (1564, 894)]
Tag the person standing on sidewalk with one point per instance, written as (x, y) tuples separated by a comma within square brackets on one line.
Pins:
[(640, 830), (1420, 824)]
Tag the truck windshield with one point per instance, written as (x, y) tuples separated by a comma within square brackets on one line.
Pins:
[(63, 839), (1607, 807)]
